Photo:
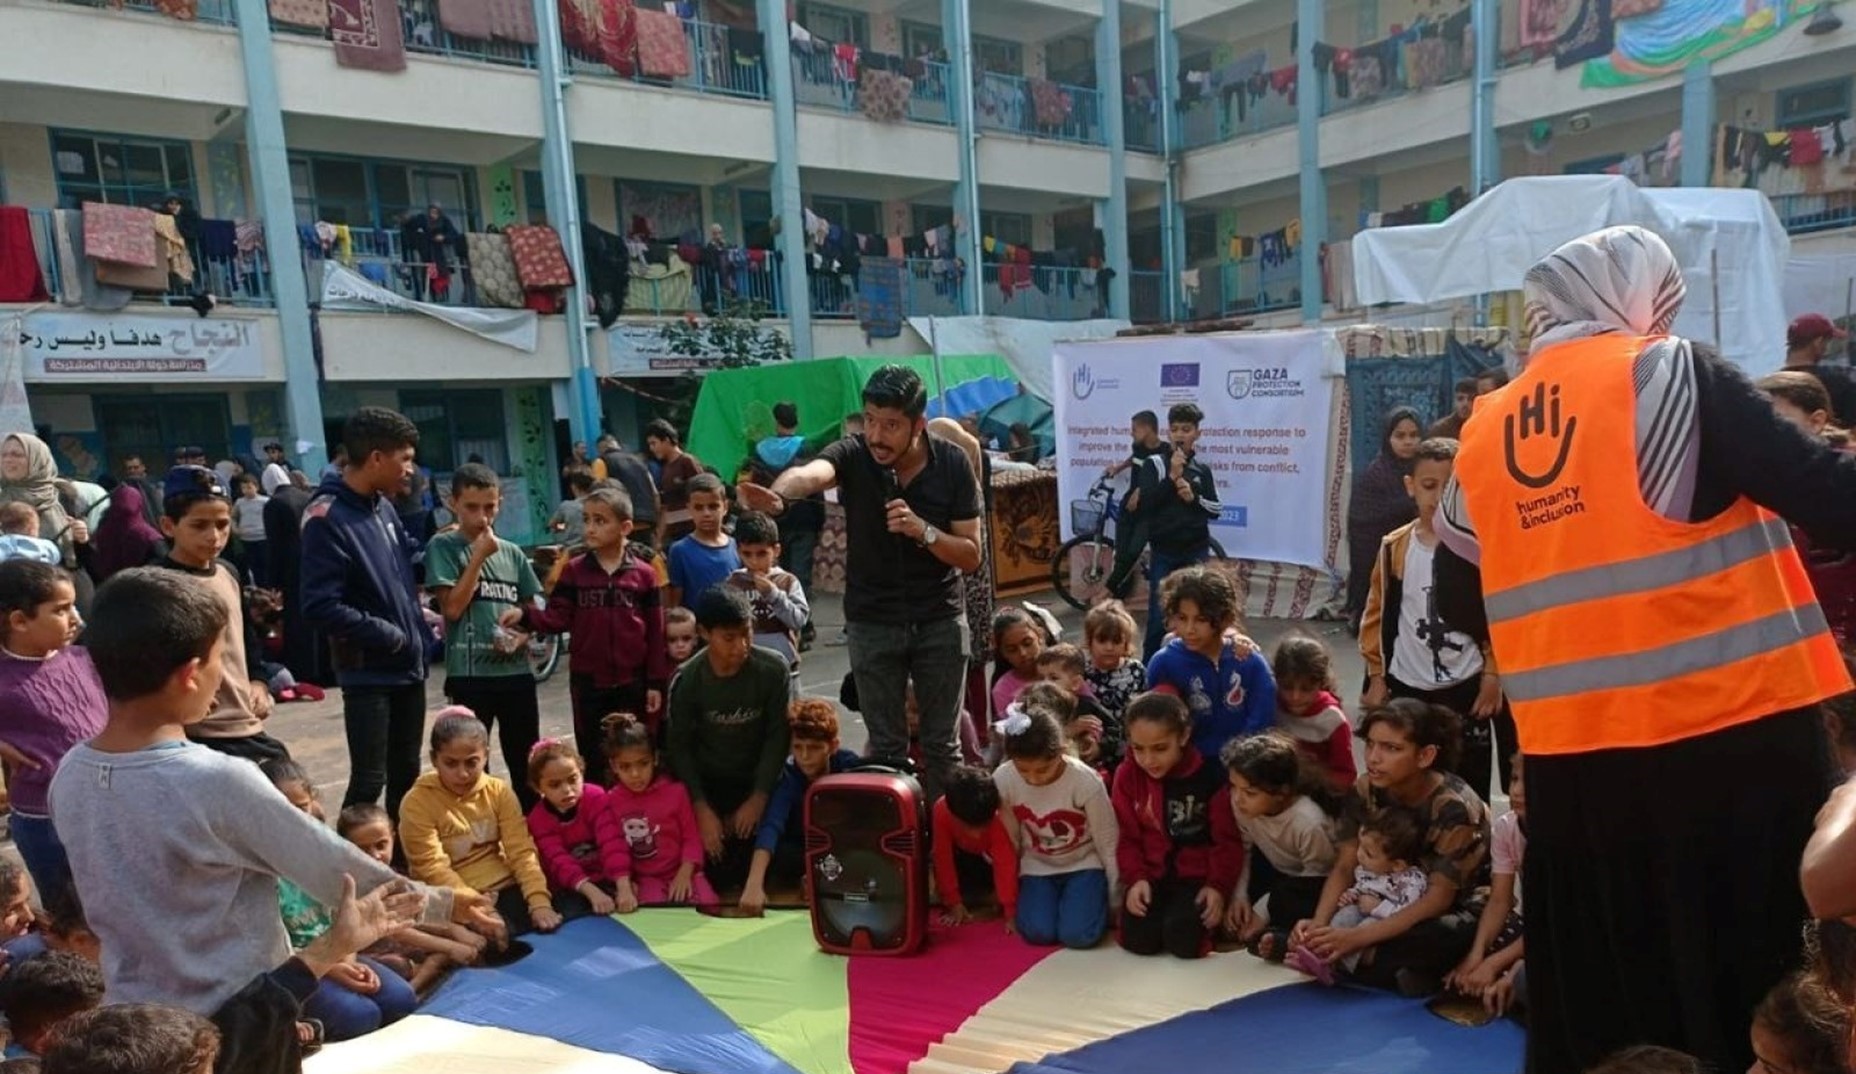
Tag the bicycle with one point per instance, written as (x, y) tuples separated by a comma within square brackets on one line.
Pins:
[(1084, 584)]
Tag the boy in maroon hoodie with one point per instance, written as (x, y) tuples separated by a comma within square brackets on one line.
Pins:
[(609, 600), (1180, 851)]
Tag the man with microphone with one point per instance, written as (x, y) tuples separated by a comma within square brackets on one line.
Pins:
[(912, 524)]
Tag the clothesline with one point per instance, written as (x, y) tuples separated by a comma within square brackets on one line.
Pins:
[(1806, 160)]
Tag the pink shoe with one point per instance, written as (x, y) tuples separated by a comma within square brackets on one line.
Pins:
[(1303, 960)]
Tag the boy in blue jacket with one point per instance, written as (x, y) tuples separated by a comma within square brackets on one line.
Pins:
[(779, 842), (359, 590), (1230, 696)]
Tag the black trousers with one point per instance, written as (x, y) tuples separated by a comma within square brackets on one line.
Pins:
[(386, 729), (257, 748), (1171, 924), (593, 704), (507, 706)]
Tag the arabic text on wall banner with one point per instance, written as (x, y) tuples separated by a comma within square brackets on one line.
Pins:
[(81, 345)]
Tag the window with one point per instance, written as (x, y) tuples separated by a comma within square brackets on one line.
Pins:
[(851, 214), (756, 210), (1014, 228), (926, 217), (670, 209), (378, 193), (1071, 60), (535, 198), (130, 426), (1201, 237), (1813, 104), (120, 171), (922, 39), (835, 24), (997, 56), (454, 425)]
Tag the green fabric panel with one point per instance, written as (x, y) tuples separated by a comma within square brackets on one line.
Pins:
[(734, 409), (767, 974)]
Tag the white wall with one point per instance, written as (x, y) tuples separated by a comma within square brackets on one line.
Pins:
[(26, 166), (402, 348), (135, 55)]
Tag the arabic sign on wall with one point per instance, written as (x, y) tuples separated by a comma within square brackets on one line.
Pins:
[(84, 345), (639, 350)]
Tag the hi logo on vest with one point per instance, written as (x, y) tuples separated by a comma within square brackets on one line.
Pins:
[(1536, 416)]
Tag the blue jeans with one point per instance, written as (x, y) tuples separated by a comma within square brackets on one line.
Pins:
[(386, 728), (346, 1015), (1069, 908), (1159, 566), (43, 854), (886, 659)]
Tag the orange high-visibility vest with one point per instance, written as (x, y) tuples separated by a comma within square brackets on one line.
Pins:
[(1614, 626)]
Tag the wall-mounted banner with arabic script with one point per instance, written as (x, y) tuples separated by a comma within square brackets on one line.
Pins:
[(77, 346)]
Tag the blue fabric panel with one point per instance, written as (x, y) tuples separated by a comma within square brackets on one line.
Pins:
[(597, 986), (1302, 1029)]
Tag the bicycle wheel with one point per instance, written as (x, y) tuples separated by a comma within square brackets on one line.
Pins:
[(544, 655), (1080, 569)]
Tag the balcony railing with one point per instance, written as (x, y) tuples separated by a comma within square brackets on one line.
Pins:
[(1040, 294), (820, 81), (1140, 124), (1038, 108), (212, 12), (1453, 61), (234, 279), (714, 68), (1804, 213), (1220, 118), (1250, 286), (1147, 298)]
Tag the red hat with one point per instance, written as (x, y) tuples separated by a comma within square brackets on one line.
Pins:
[(1812, 327)]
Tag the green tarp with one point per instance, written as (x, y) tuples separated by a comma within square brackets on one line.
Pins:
[(734, 409)]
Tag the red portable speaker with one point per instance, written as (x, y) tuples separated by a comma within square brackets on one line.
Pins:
[(867, 863)]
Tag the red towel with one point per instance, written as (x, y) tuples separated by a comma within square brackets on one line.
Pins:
[(20, 280), (1807, 148)]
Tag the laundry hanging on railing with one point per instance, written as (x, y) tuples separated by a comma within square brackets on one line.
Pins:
[(604, 30), (663, 51), (1808, 160), (1434, 211), (489, 20), (367, 34)]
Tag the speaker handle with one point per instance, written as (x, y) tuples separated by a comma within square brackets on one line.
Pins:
[(887, 766)]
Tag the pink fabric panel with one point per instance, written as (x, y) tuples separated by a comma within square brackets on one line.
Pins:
[(540, 261), (120, 233), (662, 50)]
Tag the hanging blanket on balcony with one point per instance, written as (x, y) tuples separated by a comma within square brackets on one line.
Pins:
[(79, 272), (879, 297), (1591, 35), (1049, 103), (659, 290), (604, 30), (20, 278), (174, 254), (513, 20), (493, 269), (662, 50), (132, 277), (540, 262), (120, 233), (367, 34), (184, 10), (884, 95), (312, 14), (466, 18)]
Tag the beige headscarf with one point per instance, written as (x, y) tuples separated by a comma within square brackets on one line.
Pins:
[(39, 489)]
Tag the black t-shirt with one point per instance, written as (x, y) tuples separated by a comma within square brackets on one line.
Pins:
[(628, 470), (888, 577)]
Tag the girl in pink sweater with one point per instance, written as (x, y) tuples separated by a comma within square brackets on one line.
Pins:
[(563, 823), (647, 828)]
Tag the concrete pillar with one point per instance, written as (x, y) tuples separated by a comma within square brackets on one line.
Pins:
[(1484, 144), (1115, 206), (957, 31), (1698, 106), (788, 206), (1311, 16), (560, 191), (1172, 214)]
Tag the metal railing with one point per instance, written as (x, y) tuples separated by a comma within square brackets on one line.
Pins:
[(238, 279), (1456, 64), (1805, 213), (1224, 116), (212, 12), (1040, 294), (822, 81), (1140, 124), (1147, 298), (713, 66), (1011, 103), (1250, 286)]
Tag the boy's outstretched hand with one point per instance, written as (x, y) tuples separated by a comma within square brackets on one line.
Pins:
[(362, 921)]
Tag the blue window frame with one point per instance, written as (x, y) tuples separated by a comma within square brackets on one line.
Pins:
[(1812, 104), (368, 193), (120, 169)]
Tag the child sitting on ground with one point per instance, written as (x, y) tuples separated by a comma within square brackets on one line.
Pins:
[(649, 841), (779, 843), (565, 823), (1493, 970), (680, 641), (1308, 710), (1096, 732), (780, 608), (19, 536), (1284, 811), (1800, 1028), (358, 995), (1386, 879), (50, 700), (728, 733), (1060, 818), (1114, 673), (1017, 639), (423, 953), (708, 555), (973, 854), (40, 994), (1228, 695), (463, 829), (1180, 852)]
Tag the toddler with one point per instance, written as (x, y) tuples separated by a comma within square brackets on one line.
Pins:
[(1114, 673), (1386, 879), (1095, 732), (1308, 710), (1180, 852), (464, 830), (1060, 819), (420, 953), (1228, 694), (358, 995), (972, 850), (248, 521), (708, 555), (1493, 969), (1017, 639), (679, 636), (1284, 810), (648, 838), (779, 842), (19, 536), (50, 700), (564, 823), (780, 608)]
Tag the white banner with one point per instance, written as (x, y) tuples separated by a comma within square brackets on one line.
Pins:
[(1267, 398), (639, 350), (15, 409), (343, 288), (101, 344)]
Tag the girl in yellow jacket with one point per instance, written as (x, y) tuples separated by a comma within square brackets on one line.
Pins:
[(463, 829)]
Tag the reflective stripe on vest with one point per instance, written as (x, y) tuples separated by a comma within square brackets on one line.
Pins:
[(1613, 626)]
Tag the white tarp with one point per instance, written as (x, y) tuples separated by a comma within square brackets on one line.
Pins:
[(343, 288), (1819, 283), (1025, 345), (1490, 245)]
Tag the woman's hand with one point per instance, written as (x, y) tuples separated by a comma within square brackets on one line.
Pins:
[(747, 817), (1239, 914), (1499, 996), (1335, 944), (956, 914)]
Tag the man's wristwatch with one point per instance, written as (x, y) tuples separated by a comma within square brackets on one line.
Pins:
[(929, 535)]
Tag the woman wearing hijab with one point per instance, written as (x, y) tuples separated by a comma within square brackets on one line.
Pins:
[(1662, 650), (28, 475), (124, 539), (1380, 503)]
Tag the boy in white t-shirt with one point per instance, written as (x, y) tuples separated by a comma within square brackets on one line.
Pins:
[(1410, 651)]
